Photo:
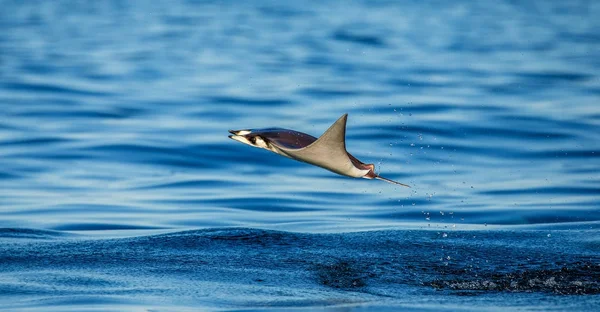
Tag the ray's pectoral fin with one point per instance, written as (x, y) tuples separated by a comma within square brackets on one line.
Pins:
[(329, 151)]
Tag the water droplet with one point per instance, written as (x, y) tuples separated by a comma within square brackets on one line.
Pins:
[(444, 235), (549, 235)]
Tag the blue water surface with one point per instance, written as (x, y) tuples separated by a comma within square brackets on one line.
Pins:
[(119, 189)]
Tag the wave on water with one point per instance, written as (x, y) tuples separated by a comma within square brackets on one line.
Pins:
[(242, 267), (30, 233)]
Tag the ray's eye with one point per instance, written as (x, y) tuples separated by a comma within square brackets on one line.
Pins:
[(253, 140), (259, 141)]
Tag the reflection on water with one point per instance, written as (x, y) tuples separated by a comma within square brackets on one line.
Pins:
[(115, 115)]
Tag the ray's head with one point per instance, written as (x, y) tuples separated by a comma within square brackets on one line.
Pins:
[(273, 139), (251, 138)]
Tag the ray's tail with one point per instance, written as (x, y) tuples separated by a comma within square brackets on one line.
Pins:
[(390, 181)]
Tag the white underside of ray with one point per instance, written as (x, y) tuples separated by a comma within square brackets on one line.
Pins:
[(328, 151), (241, 139)]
